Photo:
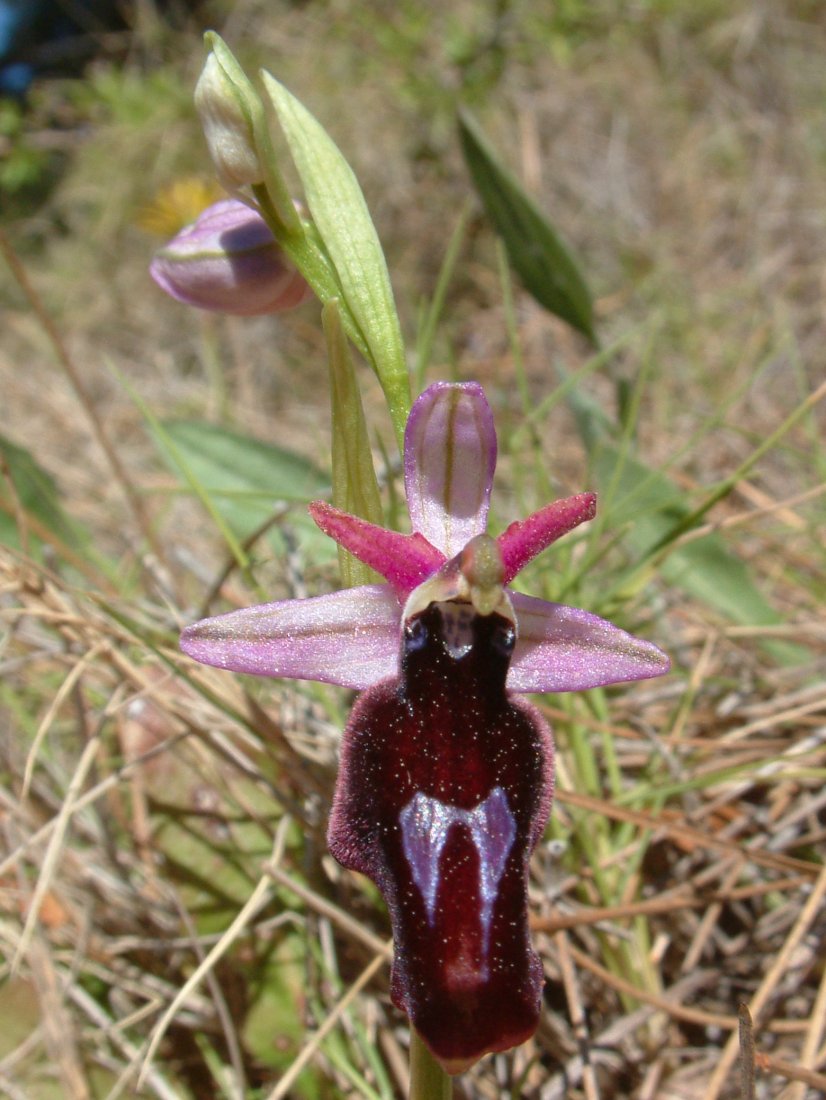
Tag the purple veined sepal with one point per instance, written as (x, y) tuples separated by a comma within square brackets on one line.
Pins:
[(444, 789), (448, 486), (348, 638)]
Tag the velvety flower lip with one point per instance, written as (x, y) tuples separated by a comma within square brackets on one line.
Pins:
[(227, 261), (444, 790)]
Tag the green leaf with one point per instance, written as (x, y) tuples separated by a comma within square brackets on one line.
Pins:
[(546, 267), (35, 497), (273, 1029), (344, 224), (247, 479)]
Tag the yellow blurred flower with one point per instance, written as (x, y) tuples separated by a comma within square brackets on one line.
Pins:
[(178, 204)]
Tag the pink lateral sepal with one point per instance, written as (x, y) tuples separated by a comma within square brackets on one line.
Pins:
[(349, 638), (567, 649)]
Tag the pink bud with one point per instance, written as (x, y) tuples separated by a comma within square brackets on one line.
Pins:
[(229, 262)]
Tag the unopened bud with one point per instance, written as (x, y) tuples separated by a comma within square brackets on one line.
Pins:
[(228, 261), (226, 102)]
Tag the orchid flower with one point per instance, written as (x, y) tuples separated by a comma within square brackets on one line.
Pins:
[(446, 776)]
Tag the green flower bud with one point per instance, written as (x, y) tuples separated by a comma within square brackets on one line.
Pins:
[(227, 103)]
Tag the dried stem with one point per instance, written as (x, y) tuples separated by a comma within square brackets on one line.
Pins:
[(82, 394)]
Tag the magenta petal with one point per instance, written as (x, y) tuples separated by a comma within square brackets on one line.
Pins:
[(449, 459), (349, 638), (404, 560), (526, 538), (565, 649), (444, 790)]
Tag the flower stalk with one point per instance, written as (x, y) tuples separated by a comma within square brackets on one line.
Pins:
[(355, 488), (428, 1081)]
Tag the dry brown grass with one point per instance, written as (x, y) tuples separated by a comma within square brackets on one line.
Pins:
[(163, 855)]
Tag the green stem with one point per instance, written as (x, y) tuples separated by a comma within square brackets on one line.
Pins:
[(428, 1081)]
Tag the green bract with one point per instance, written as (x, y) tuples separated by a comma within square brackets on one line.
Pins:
[(340, 215)]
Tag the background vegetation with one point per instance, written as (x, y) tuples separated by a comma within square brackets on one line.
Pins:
[(169, 912)]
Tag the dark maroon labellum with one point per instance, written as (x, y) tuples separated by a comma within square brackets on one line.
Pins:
[(444, 789)]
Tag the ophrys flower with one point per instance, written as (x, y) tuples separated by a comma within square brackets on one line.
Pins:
[(446, 777)]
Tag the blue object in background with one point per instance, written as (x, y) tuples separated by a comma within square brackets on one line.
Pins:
[(50, 35), (15, 17), (15, 78)]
